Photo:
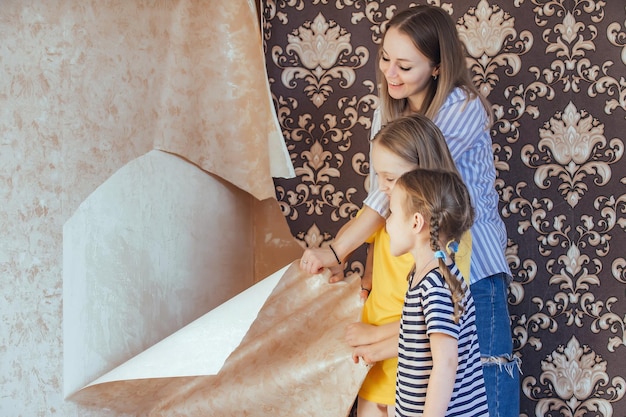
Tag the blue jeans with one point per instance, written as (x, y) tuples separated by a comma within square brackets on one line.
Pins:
[(500, 367)]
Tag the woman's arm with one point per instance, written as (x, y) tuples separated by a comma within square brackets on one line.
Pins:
[(351, 236), (444, 349)]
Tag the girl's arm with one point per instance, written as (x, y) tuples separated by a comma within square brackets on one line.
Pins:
[(366, 279), (377, 344), (375, 352), (351, 236), (360, 333), (444, 349)]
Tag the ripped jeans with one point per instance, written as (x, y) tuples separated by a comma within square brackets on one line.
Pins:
[(500, 368)]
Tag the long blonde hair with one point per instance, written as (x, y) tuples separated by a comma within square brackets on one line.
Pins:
[(434, 34), (441, 197), (417, 140)]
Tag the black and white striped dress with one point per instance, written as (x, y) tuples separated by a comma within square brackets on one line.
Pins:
[(428, 309)]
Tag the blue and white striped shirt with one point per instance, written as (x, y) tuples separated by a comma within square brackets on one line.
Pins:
[(463, 124), (428, 309)]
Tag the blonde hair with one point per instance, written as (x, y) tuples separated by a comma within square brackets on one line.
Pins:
[(434, 34), (417, 140), (442, 199)]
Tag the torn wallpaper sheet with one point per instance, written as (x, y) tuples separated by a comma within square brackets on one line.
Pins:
[(292, 361), (214, 63)]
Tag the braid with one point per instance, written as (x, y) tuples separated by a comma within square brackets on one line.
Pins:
[(434, 230), (456, 289)]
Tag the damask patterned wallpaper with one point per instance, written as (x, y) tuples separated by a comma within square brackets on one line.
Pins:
[(555, 73)]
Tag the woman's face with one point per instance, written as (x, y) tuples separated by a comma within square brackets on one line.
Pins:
[(407, 71), (388, 167)]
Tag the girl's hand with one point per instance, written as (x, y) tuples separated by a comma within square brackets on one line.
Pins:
[(359, 333), (378, 351), (364, 294), (363, 352), (366, 280), (366, 284)]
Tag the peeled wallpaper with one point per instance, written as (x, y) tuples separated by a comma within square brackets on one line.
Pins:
[(138, 266), (274, 350), (555, 73), (121, 97)]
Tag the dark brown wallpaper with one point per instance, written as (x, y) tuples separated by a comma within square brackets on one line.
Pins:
[(555, 72)]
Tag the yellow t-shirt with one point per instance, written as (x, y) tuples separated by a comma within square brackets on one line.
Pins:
[(384, 305)]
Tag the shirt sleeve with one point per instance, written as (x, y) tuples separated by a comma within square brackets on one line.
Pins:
[(373, 131), (376, 200), (462, 122), (439, 311)]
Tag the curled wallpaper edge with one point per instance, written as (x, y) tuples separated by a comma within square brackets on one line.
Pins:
[(183, 353), (281, 165), (293, 346), (180, 360), (127, 284)]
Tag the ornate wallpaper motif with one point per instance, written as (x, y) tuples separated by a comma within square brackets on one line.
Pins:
[(555, 73)]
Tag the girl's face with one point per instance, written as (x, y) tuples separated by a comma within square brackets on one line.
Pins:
[(399, 225), (406, 69), (388, 167)]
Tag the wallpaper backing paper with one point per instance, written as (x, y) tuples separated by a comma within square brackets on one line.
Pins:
[(138, 266), (292, 345)]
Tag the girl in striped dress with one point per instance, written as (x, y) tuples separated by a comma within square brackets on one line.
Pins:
[(439, 366)]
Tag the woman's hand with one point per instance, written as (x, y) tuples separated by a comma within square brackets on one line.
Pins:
[(314, 260), (336, 274), (350, 237)]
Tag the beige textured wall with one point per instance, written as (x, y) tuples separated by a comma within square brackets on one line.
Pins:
[(78, 97)]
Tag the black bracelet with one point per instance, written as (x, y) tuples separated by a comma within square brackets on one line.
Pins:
[(335, 253), (365, 289)]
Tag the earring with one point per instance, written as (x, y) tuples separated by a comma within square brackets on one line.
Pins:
[(435, 77)]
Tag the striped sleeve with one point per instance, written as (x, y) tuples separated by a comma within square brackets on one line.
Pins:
[(376, 200), (439, 311)]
